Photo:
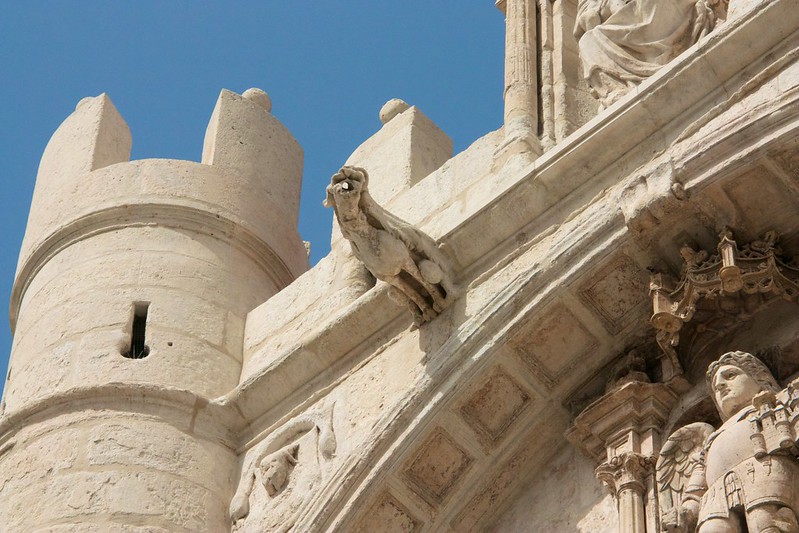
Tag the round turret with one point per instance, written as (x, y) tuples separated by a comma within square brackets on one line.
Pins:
[(132, 289)]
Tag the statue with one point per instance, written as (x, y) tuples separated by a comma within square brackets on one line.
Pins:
[(743, 476), (390, 248), (623, 42)]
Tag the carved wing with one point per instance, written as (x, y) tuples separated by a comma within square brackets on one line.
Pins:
[(679, 457)]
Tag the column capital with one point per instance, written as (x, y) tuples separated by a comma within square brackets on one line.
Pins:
[(626, 471)]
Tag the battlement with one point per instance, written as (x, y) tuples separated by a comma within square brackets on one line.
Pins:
[(178, 250)]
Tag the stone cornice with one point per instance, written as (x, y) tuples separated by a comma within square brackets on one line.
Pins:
[(635, 406)]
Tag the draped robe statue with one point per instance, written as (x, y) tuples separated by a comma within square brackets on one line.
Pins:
[(623, 42)]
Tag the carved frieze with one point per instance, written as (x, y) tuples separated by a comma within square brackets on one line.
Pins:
[(296, 452), (623, 43)]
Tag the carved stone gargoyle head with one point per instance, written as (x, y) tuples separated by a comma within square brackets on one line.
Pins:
[(345, 188)]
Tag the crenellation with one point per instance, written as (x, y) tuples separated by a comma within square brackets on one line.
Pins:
[(245, 139)]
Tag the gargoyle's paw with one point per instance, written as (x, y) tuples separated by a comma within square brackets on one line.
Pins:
[(397, 296), (239, 507), (431, 272)]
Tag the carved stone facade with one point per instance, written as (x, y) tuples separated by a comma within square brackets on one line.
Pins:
[(565, 284)]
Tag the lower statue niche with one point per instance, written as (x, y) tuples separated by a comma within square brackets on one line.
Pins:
[(743, 476), (282, 473)]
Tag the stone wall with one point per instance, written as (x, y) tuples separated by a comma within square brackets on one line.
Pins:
[(565, 498)]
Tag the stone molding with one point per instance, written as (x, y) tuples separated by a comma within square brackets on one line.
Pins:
[(635, 407), (181, 408), (148, 214)]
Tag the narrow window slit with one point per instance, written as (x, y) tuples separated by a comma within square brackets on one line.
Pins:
[(138, 348)]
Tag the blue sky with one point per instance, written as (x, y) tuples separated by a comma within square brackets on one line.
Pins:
[(328, 65)]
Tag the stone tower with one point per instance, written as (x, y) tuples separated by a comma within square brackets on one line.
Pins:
[(132, 288)]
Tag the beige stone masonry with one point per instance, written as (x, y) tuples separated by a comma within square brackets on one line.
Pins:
[(407, 148), (94, 136), (244, 138), (474, 210), (277, 400)]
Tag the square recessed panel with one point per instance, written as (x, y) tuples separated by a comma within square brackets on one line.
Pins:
[(554, 344), (616, 290), (436, 467), (494, 407), (388, 515)]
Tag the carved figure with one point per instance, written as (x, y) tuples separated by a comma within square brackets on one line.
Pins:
[(623, 42), (743, 476), (390, 248), (274, 459)]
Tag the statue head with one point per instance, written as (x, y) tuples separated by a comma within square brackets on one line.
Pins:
[(735, 379)]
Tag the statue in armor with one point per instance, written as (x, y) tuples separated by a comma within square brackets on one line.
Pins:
[(743, 476)]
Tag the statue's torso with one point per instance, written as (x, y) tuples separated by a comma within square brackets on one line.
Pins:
[(730, 446), (736, 479)]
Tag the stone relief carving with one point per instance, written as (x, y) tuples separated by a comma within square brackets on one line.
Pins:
[(742, 476), (390, 248), (745, 278), (271, 464), (623, 42)]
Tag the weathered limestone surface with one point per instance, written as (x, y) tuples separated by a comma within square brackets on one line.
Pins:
[(565, 498), (275, 398), (244, 138), (191, 249), (407, 148)]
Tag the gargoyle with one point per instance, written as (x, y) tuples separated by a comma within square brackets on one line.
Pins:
[(390, 248)]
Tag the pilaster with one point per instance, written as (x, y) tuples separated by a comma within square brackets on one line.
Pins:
[(622, 431)]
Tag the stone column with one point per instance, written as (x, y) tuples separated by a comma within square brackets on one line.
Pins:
[(521, 93), (627, 476), (622, 431)]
